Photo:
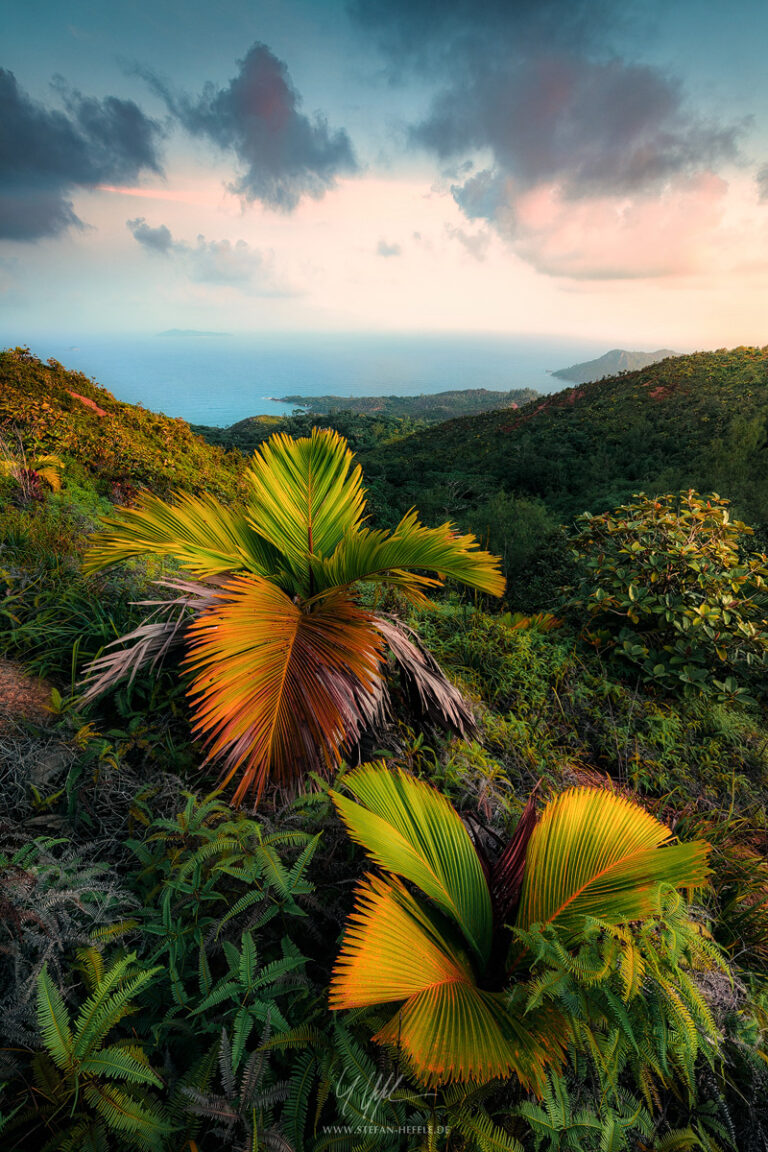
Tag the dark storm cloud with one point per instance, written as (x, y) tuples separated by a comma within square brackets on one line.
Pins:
[(538, 85), (155, 239), (285, 154), (46, 154), (595, 128)]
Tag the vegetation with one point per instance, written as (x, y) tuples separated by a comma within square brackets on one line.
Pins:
[(360, 431), (428, 406), (694, 421), (541, 835), (668, 585), (593, 860), (120, 447), (286, 664)]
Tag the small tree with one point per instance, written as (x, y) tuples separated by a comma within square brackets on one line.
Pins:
[(668, 585)]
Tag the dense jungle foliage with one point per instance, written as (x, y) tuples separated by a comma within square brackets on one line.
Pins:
[(394, 953), (698, 421)]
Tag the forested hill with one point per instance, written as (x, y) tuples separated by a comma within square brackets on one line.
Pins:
[(50, 409), (692, 421), (429, 406)]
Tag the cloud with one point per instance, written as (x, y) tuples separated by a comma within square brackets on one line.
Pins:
[(218, 262), (47, 154), (154, 239), (476, 243), (595, 127), (221, 262), (385, 249), (539, 89), (762, 184), (605, 239), (285, 155)]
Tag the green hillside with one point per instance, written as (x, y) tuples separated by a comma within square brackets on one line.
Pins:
[(689, 421), (429, 406), (50, 409)]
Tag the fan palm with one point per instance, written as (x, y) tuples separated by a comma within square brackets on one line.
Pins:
[(447, 960), (286, 665), (30, 473)]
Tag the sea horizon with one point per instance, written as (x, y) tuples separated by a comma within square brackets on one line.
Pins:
[(218, 378)]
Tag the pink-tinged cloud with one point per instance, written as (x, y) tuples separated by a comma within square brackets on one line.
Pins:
[(612, 238), (177, 195)]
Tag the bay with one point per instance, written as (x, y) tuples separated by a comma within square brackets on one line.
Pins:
[(219, 378)]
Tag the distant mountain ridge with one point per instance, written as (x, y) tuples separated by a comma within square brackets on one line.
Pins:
[(613, 362)]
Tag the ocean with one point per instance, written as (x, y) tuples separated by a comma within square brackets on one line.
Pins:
[(219, 379)]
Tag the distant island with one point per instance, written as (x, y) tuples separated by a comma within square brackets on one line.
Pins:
[(616, 361), (432, 407)]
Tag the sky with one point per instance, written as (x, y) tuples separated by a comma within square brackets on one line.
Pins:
[(586, 168)]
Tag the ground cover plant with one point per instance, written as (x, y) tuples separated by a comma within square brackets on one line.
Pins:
[(548, 932)]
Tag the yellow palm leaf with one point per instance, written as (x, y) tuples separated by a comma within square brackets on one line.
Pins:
[(449, 1028), (278, 690), (410, 828), (594, 853)]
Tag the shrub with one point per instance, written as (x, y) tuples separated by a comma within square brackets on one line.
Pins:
[(668, 586)]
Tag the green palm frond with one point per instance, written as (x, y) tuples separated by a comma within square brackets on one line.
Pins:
[(203, 535), (305, 495), (388, 558), (411, 829)]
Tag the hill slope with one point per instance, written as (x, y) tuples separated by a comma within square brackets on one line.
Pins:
[(692, 421), (54, 410), (613, 362)]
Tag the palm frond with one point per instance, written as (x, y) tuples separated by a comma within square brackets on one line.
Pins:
[(448, 1028), (387, 558), (411, 829), (278, 690), (424, 680), (149, 644), (306, 494), (205, 537), (595, 853)]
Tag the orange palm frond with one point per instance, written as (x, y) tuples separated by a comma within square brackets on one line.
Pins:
[(448, 1027), (278, 690)]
